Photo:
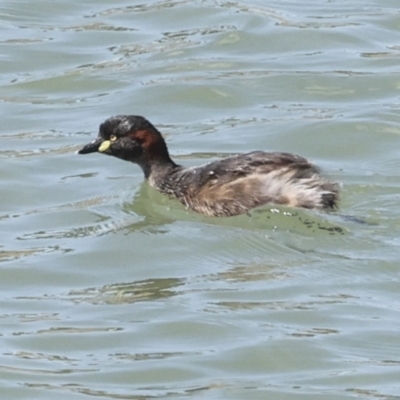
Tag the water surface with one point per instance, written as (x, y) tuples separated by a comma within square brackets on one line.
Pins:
[(111, 290)]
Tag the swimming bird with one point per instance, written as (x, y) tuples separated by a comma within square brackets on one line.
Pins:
[(222, 188)]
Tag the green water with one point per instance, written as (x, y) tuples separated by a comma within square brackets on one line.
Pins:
[(111, 290)]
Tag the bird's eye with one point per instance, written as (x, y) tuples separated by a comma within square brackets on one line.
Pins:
[(113, 138)]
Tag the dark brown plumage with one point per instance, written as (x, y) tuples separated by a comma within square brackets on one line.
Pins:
[(226, 187)]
